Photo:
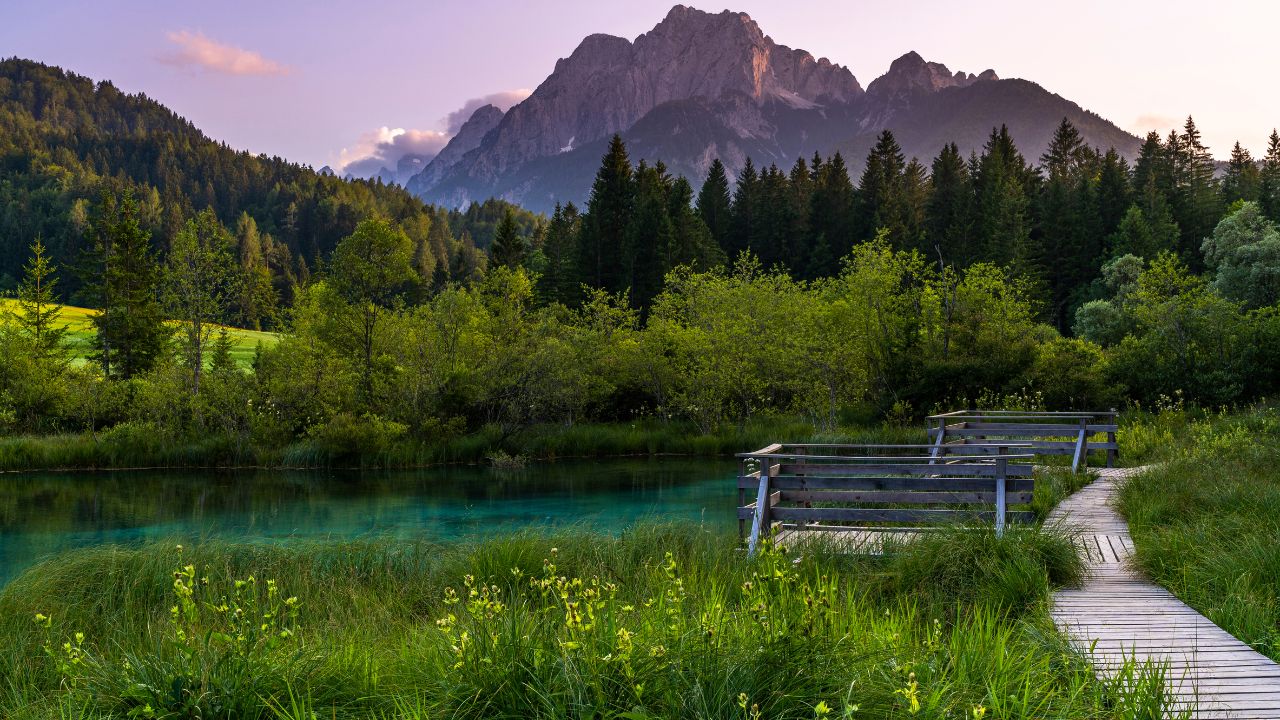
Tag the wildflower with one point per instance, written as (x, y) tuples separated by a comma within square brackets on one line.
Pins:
[(821, 710), (43, 620), (979, 712)]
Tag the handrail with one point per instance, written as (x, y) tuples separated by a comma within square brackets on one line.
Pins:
[(893, 459)]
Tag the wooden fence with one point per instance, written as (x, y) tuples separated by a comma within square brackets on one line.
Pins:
[(881, 488), (1046, 433)]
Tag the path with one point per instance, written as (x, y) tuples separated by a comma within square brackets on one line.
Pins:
[(1117, 615)]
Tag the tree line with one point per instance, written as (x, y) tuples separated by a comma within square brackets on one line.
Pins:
[(1053, 223)]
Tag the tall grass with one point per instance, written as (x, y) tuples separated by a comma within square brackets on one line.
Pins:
[(1206, 519), (663, 621), (543, 442)]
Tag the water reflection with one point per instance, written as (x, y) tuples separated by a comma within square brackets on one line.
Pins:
[(46, 513)]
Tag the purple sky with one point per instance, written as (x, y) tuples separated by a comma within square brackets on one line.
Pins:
[(306, 80)]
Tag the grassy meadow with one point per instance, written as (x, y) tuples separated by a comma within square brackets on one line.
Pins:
[(659, 622), (1205, 520), (244, 343)]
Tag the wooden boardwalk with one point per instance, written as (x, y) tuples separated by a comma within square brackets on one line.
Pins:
[(1117, 615)]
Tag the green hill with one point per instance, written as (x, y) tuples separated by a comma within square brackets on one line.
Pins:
[(244, 343)]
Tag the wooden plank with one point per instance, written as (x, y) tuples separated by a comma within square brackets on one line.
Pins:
[(891, 515), (890, 496), (1040, 428), (880, 468), (944, 484)]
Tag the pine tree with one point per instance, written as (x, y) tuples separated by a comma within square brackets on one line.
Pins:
[(1114, 192), (915, 198), (509, 247), (1070, 242), (800, 196), (650, 239), (746, 208), (1200, 205), (258, 298), (604, 225), (200, 284), (714, 203), (692, 243), (1242, 179), (773, 241), (121, 278), (38, 309), (832, 217), (880, 192), (558, 282), (948, 212), (1002, 188), (1269, 179)]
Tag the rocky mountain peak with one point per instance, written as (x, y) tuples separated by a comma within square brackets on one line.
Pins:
[(912, 73)]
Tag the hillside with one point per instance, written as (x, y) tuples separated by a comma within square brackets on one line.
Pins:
[(244, 343), (64, 139)]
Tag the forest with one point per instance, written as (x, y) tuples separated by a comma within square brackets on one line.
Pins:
[(1078, 280)]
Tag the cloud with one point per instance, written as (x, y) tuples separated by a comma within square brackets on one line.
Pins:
[(199, 52), (502, 100), (385, 147), (1154, 121)]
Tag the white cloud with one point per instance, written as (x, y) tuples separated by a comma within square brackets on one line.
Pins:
[(501, 100), (197, 51), (385, 146)]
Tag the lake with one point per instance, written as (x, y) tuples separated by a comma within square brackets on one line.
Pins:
[(46, 513)]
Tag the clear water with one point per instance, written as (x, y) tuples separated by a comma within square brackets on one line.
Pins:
[(46, 513)]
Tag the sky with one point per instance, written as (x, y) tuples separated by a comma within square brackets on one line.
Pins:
[(335, 83)]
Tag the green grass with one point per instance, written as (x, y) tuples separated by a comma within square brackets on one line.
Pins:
[(244, 343), (662, 621), (1206, 518)]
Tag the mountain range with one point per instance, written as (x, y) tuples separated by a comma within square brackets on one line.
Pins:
[(701, 86)]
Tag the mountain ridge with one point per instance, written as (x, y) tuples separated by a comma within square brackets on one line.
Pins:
[(703, 85)]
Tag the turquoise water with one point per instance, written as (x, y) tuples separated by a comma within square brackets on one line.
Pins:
[(45, 513)]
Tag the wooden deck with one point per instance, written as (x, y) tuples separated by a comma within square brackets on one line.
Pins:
[(1117, 615)]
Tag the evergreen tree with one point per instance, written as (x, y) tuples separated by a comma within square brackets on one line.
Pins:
[(1002, 190), (832, 217), (258, 298), (880, 192), (1242, 179), (1269, 179), (915, 198), (200, 283), (509, 247), (1200, 200), (948, 212), (715, 205), (1070, 240), (650, 240), (558, 282), (773, 240), (121, 279), (38, 309), (800, 196), (746, 207), (1114, 193), (604, 226), (692, 243)]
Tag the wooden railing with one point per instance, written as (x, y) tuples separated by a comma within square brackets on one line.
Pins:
[(881, 487), (1047, 433)]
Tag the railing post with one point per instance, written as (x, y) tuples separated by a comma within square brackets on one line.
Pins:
[(742, 498), (760, 519), (1113, 453), (1082, 447), (1002, 474), (937, 444)]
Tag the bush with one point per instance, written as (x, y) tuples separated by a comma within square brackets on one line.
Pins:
[(346, 437)]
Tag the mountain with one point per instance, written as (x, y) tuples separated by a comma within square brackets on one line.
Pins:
[(468, 138), (702, 85)]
